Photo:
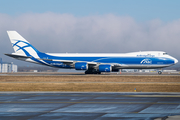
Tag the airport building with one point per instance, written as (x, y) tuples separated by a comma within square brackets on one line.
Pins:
[(7, 67)]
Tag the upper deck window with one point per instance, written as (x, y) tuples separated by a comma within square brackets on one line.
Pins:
[(164, 53)]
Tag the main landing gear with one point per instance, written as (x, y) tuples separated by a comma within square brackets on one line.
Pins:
[(92, 72), (159, 72)]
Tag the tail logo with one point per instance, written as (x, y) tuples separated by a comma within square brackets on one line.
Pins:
[(24, 46)]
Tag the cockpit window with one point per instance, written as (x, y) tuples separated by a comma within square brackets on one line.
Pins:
[(164, 53)]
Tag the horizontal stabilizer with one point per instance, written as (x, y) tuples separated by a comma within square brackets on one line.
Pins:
[(17, 56)]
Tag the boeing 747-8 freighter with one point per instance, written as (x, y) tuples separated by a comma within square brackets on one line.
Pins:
[(91, 63)]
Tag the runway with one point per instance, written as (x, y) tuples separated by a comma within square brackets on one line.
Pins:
[(82, 74), (88, 106)]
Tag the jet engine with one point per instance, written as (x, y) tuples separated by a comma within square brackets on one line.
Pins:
[(105, 68), (81, 66)]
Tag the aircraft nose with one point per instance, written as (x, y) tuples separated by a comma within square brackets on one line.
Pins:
[(175, 61)]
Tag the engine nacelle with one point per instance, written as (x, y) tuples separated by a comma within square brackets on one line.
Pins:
[(105, 68), (81, 66)]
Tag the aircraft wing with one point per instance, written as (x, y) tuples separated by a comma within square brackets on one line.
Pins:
[(92, 64), (68, 62)]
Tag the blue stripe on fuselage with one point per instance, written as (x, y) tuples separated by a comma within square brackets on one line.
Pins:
[(119, 60)]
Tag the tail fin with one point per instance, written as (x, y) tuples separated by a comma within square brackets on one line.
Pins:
[(20, 45)]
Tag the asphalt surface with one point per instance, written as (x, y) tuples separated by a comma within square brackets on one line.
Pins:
[(88, 106), (82, 74)]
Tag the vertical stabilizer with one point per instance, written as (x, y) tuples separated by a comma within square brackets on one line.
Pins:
[(20, 45)]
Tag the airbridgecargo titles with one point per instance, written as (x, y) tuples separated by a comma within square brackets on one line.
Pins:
[(91, 63)]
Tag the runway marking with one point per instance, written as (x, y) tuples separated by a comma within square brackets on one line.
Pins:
[(36, 102), (153, 95), (74, 112)]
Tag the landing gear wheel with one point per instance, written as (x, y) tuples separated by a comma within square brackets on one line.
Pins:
[(92, 72), (98, 72), (159, 72), (88, 72)]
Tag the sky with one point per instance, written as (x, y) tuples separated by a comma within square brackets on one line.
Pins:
[(92, 26)]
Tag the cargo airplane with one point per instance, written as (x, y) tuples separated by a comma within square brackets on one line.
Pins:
[(91, 63)]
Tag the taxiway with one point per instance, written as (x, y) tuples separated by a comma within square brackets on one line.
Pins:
[(87, 105)]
